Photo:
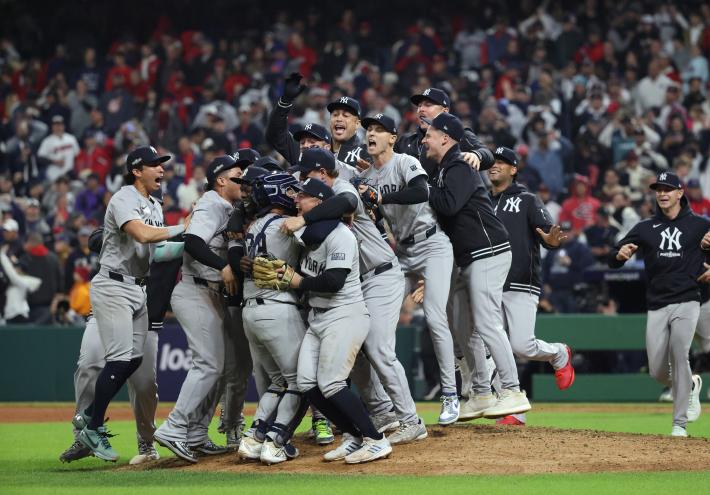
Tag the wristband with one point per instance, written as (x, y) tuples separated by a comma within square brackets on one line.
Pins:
[(174, 230)]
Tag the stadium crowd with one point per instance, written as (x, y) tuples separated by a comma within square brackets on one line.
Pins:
[(596, 98)]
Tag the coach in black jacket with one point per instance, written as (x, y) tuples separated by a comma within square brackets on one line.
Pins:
[(529, 225), (430, 103), (481, 251), (671, 244)]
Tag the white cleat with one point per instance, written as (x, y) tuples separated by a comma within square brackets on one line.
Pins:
[(449, 410), (385, 422), (408, 432), (250, 448), (678, 431), (349, 445), (476, 406), (371, 450), (146, 453), (272, 454), (509, 402), (694, 408)]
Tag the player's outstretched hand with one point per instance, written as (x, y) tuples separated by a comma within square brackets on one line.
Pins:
[(245, 264), (292, 87), (705, 277), (705, 242), (292, 224), (626, 252), (418, 294), (552, 238), (472, 159)]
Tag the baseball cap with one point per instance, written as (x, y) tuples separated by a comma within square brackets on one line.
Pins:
[(693, 184), (448, 124), (32, 202), (506, 155), (11, 225), (57, 119), (314, 159), (219, 165), (436, 95), (269, 164), (383, 120), (145, 155), (245, 157), (666, 179), (315, 188), (251, 173), (313, 130), (347, 103)]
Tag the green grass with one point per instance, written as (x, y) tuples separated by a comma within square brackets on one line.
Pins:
[(28, 464)]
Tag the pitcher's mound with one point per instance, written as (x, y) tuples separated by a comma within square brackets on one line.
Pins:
[(484, 449)]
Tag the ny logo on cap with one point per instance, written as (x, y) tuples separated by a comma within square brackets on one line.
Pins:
[(153, 150), (499, 151), (426, 92), (662, 176), (379, 116), (236, 155), (344, 99), (308, 127)]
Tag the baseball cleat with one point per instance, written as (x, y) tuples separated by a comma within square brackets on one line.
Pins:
[(475, 406), (667, 395), (146, 453), (250, 448), (349, 445), (694, 408), (509, 402), (210, 448), (180, 449), (565, 375), (291, 451), (408, 432), (76, 451), (449, 410), (97, 441), (271, 453), (234, 436), (510, 421), (323, 433), (678, 431), (385, 422), (371, 450), (80, 421)]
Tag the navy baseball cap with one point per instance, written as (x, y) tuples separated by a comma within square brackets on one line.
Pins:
[(314, 159), (383, 120), (145, 155), (268, 163), (245, 157), (350, 104), (315, 188), (251, 173), (666, 179), (219, 165), (448, 124), (506, 155), (436, 95), (313, 130)]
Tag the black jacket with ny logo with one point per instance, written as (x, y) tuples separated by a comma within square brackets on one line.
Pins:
[(522, 212), (673, 259)]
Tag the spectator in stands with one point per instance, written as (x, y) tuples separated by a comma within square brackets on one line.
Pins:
[(623, 215), (60, 148), (247, 133), (80, 256), (41, 263), (79, 300), (34, 221), (553, 208), (698, 203), (548, 159), (12, 243), (634, 175), (601, 237), (17, 285), (580, 209), (89, 200)]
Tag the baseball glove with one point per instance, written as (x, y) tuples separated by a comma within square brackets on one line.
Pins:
[(265, 274), (370, 200)]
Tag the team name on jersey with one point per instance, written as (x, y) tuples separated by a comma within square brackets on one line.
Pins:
[(154, 223), (312, 266), (387, 188)]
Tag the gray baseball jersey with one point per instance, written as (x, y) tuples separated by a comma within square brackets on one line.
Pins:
[(272, 241), (374, 251), (209, 219), (120, 252), (404, 220), (345, 171), (338, 250)]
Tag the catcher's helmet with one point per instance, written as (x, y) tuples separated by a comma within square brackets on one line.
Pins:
[(274, 190)]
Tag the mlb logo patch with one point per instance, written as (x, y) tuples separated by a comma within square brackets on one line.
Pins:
[(412, 167), (338, 257)]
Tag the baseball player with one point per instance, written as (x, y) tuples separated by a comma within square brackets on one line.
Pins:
[(383, 292), (200, 305), (529, 225), (671, 244), (338, 325), (142, 386), (343, 125), (133, 219), (481, 250), (273, 346), (422, 248)]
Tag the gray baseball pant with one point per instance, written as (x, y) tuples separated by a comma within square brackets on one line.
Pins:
[(702, 331), (669, 333), (237, 368)]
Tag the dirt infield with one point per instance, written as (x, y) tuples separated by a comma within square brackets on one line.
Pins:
[(483, 449)]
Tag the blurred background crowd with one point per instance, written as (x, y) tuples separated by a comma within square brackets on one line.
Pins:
[(595, 96)]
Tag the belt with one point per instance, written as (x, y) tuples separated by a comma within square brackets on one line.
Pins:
[(260, 302), (419, 236), (208, 283), (377, 270), (126, 279), (320, 310)]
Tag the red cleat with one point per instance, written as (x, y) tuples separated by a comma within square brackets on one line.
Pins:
[(510, 421), (565, 375)]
